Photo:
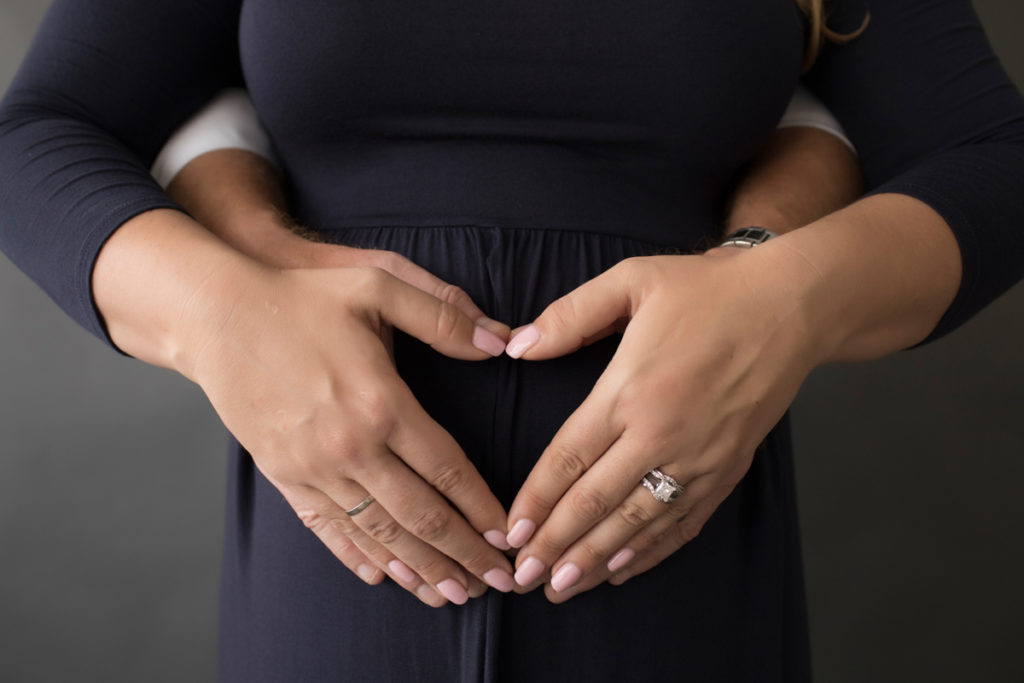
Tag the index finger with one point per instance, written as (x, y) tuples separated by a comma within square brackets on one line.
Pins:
[(577, 445)]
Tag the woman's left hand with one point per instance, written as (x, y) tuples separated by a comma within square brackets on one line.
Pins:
[(714, 349)]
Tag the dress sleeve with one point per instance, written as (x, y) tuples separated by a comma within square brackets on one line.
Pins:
[(104, 84), (933, 115)]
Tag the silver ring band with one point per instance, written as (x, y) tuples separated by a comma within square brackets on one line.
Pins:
[(359, 508)]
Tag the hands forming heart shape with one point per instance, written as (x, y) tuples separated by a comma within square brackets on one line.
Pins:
[(706, 366)]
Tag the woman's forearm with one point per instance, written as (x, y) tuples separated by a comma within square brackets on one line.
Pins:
[(870, 279)]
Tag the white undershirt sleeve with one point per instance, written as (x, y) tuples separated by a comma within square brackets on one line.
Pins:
[(807, 110), (228, 122)]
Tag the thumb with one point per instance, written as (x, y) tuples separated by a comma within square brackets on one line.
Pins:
[(590, 312)]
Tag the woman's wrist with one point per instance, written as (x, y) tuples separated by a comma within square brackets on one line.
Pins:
[(870, 280), (163, 286)]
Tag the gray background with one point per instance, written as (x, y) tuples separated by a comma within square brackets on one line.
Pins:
[(112, 476)]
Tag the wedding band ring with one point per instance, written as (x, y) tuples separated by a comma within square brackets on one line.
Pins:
[(359, 508)]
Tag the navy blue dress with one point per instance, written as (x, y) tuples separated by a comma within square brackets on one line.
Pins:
[(516, 149)]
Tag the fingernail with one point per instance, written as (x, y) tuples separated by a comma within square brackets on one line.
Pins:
[(402, 571), (520, 343), (485, 340), (500, 579), (529, 571), (621, 559), (566, 577), (497, 539), (430, 596), (366, 572), (520, 533), (453, 590)]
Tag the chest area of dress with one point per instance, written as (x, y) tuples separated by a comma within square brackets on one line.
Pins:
[(657, 71)]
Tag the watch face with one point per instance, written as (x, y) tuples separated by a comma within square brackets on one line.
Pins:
[(748, 237)]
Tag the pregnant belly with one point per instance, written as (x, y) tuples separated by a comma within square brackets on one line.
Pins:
[(501, 411)]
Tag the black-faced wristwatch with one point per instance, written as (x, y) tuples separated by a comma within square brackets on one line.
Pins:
[(747, 238)]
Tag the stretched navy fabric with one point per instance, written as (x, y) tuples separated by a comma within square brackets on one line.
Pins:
[(516, 148)]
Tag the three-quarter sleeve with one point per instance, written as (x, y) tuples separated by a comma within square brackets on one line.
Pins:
[(934, 116), (104, 84)]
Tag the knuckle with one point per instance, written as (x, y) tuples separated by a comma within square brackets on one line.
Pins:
[(549, 546), (310, 518), (588, 504), (634, 515), (375, 413), (389, 261), (431, 567), (452, 294), (567, 461), (562, 313), (450, 480), (384, 531), (431, 524), (593, 553), (340, 525), (447, 323), (370, 279)]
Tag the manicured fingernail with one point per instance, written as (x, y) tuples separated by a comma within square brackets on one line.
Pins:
[(402, 571), (453, 590), (621, 559), (529, 571), (521, 533), (366, 572), (500, 579), (497, 539), (519, 344), (485, 340), (566, 577), (430, 596)]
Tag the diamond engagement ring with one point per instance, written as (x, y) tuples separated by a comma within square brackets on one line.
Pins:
[(662, 487), (359, 508)]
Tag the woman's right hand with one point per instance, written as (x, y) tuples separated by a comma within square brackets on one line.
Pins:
[(299, 372)]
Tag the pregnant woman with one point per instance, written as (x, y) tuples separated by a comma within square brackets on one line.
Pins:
[(558, 162)]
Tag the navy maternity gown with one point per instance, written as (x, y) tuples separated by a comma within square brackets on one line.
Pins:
[(515, 148)]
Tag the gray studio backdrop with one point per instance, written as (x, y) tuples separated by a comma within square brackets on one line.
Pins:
[(112, 474)]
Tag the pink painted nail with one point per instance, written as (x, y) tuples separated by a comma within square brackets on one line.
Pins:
[(453, 590), (497, 539), (621, 559), (485, 340), (521, 533), (402, 571), (500, 579), (566, 577), (520, 343), (529, 571)]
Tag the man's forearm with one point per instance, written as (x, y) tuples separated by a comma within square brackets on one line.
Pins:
[(799, 176), (237, 195)]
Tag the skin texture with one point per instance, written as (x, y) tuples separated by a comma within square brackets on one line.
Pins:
[(801, 174), (865, 281)]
